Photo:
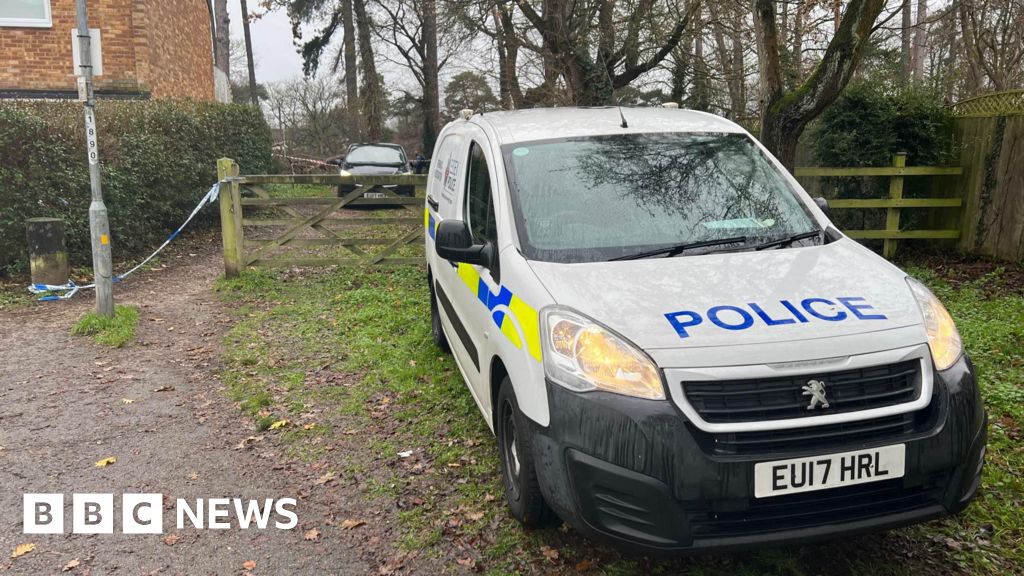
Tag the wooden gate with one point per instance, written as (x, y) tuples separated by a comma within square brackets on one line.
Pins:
[(892, 232), (355, 221)]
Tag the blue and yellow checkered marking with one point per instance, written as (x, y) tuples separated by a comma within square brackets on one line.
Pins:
[(430, 223), (521, 313), (524, 314)]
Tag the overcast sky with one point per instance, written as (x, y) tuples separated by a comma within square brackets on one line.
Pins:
[(275, 55)]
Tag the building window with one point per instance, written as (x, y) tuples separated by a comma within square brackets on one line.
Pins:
[(31, 13)]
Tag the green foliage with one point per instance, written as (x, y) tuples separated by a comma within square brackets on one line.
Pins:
[(114, 331), (468, 90), (865, 126), (158, 158), (868, 124)]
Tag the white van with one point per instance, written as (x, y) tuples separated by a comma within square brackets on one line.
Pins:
[(674, 346)]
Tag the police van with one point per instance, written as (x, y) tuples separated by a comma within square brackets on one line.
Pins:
[(674, 346)]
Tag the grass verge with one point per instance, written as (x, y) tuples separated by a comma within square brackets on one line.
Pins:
[(113, 331), (350, 351)]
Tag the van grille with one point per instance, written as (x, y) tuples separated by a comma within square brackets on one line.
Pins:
[(755, 400), (818, 437)]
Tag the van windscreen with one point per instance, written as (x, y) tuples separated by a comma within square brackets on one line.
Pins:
[(597, 198)]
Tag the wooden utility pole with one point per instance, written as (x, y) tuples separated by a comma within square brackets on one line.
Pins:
[(99, 227)]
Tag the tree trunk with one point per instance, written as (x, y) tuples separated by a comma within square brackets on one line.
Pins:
[(920, 40), (701, 95), (512, 93), (248, 56), (371, 100), (906, 56), (797, 41), (431, 97), (349, 56), (222, 35), (680, 72)]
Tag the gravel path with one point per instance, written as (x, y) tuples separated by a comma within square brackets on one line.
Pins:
[(66, 403)]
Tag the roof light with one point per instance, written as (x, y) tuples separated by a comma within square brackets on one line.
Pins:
[(466, 113), (670, 105)]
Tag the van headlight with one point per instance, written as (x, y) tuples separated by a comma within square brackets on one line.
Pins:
[(943, 338), (582, 355)]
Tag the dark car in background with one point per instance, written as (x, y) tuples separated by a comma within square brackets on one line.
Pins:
[(375, 159)]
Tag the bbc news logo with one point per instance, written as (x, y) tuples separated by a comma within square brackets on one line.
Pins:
[(144, 513)]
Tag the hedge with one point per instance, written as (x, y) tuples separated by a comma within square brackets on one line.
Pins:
[(158, 158)]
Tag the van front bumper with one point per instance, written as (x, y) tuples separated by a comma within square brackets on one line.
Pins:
[(635, 472)]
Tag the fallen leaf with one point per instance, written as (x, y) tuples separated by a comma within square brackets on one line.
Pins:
[(249, 565), (549, 553), (312, 535), (454, 465), (70, 565), (126, 400), (250, 440), (474, 516), (193, 476), (309, 426), (106, 462), (23, 549), (325, 479), (279, 424), (584, 565), (405, 454), (466, 562), (172, 539), (166, 388), (350, 523), (488, 497)]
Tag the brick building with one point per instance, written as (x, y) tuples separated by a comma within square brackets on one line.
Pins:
[(150, 48)]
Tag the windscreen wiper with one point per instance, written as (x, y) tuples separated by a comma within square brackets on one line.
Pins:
[(788, 240), (670, 251)]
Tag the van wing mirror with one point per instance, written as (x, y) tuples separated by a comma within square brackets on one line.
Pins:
[(453, 241), (823, 204)]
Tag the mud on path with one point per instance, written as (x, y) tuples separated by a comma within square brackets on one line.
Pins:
[(64, 405)]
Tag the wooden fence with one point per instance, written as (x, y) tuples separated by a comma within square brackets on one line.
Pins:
[(894, 202), (259, 224), (988, 132)]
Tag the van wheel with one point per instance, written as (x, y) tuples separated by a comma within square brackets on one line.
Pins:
[(436, 330), (518, 472)]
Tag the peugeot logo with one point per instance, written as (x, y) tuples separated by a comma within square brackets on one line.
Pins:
[(816, 390)]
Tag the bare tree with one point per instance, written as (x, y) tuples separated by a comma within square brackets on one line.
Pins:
[(630, 40), (785, 114), (993, 36), (411, 29)]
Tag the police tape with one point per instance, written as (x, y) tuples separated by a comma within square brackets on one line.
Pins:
[(300, 159), (70, 289)]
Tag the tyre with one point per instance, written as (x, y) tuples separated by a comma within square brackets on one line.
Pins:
[(518, 471), (436, 330)]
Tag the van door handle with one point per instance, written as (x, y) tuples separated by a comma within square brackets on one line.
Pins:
[(432, 203)]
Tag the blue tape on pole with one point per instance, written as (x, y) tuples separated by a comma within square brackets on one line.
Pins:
[(70, 289)]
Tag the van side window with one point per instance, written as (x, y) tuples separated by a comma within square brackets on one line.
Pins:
[(479, 203)]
